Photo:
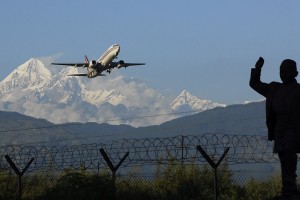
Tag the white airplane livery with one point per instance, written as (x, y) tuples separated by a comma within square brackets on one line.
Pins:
[(103, 64)]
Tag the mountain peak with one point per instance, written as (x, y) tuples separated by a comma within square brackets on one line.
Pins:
[(33, 62), (31, 74), (188, 102), (185, 96), (34, 65)]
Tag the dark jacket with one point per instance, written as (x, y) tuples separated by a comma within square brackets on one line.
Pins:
[(268, 90)]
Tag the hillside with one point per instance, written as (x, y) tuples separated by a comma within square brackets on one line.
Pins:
[(243, 119)]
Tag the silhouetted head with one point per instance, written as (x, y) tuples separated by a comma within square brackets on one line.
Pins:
[(288, 71)]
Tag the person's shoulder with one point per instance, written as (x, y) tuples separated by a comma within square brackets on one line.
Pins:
[(274, 83)]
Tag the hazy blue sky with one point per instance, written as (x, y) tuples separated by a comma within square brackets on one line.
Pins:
[(205, 47)]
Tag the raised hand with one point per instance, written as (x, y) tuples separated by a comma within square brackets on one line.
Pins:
[(259, 64)]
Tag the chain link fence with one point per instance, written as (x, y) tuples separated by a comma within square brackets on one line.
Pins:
[(156, 168)]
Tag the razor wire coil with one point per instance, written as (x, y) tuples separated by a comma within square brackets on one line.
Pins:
[(147, 151)]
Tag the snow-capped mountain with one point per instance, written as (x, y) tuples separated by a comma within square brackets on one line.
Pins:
[(36, 89), (187, 102), (31, 75)]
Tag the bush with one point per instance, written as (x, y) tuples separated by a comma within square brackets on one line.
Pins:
[(78, 186), (256, 190)]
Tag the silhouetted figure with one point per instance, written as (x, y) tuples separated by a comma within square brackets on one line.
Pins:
[(283, 120)]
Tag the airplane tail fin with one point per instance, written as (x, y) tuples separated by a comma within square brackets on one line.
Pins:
[(86, 59)]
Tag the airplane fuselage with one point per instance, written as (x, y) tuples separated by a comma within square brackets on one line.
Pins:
[(103, 63), (109, 55)]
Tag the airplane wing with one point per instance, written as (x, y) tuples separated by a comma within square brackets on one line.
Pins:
[(72, 64), (76, 74), (83, 74), (121, 64), (132, 64)]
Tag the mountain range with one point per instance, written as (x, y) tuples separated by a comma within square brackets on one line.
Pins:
[(243, 119), (40, 90)]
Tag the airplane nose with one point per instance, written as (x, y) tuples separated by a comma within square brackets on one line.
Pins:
[(118, 50)]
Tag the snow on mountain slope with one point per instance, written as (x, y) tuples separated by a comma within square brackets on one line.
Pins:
[(113, 97), (32, 89), (29, 77), (187, 102), (32, 73)]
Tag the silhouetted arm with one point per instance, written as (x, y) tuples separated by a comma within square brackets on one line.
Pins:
[(255, 82)]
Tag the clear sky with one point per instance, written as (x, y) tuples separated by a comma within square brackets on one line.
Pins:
[(205, 47)]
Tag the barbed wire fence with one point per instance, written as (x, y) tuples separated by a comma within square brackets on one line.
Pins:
[(243, 149), (148, 151)]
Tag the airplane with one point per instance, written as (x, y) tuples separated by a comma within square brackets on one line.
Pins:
[(104, 63)]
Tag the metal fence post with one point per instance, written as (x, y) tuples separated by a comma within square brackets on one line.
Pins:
[(182, 143), (113, 168), (214, 166), (18, 172)]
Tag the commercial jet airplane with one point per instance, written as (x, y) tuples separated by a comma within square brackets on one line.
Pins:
[(104, 63)]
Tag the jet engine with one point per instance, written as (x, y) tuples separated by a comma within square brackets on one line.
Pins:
[(121, 63), (93, 64)]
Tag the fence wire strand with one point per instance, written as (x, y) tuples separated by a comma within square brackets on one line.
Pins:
[(147, 151)]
